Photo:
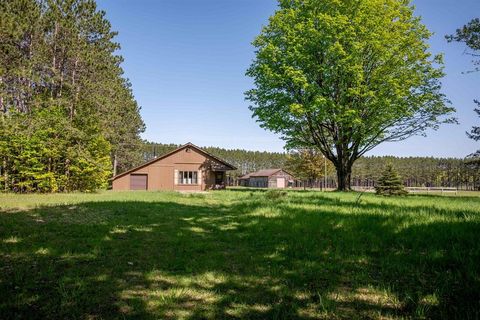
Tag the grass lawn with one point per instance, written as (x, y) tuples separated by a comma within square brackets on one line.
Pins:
[(239, 254)]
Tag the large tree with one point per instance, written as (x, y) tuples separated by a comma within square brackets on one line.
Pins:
[(308, 165), (65, 107), (345, 76), (470, 35)]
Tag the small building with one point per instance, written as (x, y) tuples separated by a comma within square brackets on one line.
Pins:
[(187, 168), (244, 180), (268, 178)]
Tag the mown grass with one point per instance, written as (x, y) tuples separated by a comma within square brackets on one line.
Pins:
[(243, 254)]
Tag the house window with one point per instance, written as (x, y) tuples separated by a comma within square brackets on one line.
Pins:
[(187, 177)]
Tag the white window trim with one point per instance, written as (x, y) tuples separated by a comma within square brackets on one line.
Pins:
[(188, 178)]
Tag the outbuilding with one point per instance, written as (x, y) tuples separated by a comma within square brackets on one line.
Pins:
[(267, 178), (187, 168)]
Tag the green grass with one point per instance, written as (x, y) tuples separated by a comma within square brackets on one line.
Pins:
[(239, 254)]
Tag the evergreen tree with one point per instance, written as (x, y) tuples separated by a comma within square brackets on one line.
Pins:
[(390, 183), (66, 111)]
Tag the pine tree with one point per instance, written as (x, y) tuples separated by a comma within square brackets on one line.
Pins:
[(390, 183), (66, 110)]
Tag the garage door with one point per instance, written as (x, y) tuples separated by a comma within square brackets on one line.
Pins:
[(281, 183), (138, 182)]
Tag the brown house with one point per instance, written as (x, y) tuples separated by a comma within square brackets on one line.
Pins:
[(268, 178), (187, 168)]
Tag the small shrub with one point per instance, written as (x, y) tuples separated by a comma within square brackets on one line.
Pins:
[(390, 184)]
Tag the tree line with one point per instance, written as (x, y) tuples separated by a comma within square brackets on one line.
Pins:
[(66, 109), (419, 171), (308, 166)]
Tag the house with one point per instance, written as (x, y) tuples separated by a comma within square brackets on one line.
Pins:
[(268, 178), (187, 168)]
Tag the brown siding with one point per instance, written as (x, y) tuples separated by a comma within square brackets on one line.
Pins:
[(267, 182), (161, 173), (272, 181)]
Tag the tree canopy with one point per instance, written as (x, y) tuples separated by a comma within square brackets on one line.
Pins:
[(65, 107), (308, 165), (345, 76), (470, 35)]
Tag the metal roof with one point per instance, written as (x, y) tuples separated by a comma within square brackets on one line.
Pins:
[(262, 173), (245, 176)]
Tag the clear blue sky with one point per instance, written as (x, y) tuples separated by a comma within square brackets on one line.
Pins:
[(186, 60)]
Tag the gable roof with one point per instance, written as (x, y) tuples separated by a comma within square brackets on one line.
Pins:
[(187, 145), (262, 173), (245, 176)]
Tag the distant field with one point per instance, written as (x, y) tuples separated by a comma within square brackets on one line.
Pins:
[(239, 254)]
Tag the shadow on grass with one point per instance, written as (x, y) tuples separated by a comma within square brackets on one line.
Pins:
[(245, 259)]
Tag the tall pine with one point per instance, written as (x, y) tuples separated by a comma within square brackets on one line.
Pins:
[(66, 110)]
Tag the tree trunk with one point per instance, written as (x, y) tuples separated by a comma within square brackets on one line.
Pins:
[(54, 58), (115, 164), (344, 176), (75, 89), (67, 186), (5, 174), (3, 108)]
